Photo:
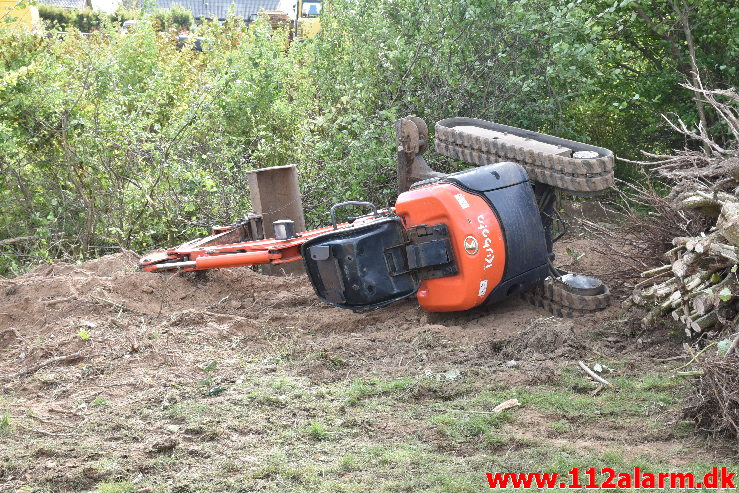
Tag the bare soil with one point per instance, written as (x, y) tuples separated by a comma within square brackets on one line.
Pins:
[(92, 357)]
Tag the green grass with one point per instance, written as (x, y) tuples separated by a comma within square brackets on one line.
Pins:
[(461, 426), (317, 431), (116, 487), (274, 431), (98, 402), (5, 426), (571, 398), (363, 389)]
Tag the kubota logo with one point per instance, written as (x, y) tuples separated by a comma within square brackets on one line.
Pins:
[(470, 245), (487, 244)]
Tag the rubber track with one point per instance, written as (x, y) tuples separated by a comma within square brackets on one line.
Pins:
[(570, 174), (558, 300)]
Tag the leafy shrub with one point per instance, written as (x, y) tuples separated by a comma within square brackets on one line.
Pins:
[(124, 140), (177, 18), (84, 20), (182, 19), (127, 141)]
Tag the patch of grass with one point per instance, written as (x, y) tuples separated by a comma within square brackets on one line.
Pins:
[(565, 459), (558, 401), (560, 426), (562, 459), (106, 466), (280, 383), (362, 389), (350, 463), (416, 433), (317, 431), (461, 426), (440, 390), (116, 487), (5, 426), (265, 399), (98, 402), (683, 429), (629, 397), (404, 455), (283, 470), (449, 482), (278, 392), (188, 412), (385, 467), (228, 466)]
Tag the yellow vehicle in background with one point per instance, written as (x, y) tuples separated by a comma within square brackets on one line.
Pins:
[(307, 23), (19, 14)]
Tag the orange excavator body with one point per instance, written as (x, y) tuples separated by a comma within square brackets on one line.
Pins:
[(475, 233), (453, 241)]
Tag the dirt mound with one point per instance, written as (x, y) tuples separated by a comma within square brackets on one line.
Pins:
[(107, 308), (547, 336)]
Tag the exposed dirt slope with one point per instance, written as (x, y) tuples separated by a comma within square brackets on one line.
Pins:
[(43, 313)]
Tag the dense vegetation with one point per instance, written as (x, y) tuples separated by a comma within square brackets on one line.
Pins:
[(88, 20), (127, 141), (84, 20)]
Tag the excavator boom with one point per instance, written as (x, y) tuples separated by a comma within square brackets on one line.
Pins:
[(217, 251)]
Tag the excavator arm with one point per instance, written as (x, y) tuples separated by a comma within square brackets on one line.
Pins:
[(219, 250)]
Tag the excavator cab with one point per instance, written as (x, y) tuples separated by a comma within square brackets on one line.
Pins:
[(371, 265)]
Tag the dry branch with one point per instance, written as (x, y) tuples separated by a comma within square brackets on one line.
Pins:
[(69, 358), (715, 405), (594, 375)]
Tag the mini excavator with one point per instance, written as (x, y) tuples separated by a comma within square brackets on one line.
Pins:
[(455, 241)]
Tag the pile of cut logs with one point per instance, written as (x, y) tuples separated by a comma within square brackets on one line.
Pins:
[(698, 288)]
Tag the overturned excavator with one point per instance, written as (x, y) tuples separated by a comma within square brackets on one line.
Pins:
[(454, 241)]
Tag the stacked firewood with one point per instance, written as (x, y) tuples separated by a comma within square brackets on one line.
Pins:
[(698, 285), (701, 286)]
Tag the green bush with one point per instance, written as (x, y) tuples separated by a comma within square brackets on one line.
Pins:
[(127, 141), (177, 18), (160, 19), (181, 18), (85, 20)]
